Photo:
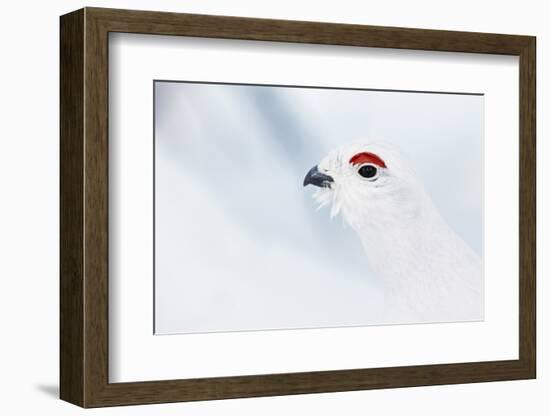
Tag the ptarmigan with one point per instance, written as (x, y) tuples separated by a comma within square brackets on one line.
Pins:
[(429, 273)]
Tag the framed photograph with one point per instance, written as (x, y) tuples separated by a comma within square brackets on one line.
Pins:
[(255, 207)]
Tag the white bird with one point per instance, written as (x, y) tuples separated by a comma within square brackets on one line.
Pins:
[(429, 273)]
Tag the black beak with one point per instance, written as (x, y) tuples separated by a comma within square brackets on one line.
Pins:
[(314, 177)]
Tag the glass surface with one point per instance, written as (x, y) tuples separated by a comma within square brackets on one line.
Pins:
[(241, 244)]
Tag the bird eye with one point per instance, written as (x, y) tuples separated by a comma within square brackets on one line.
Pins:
[(368, 171)]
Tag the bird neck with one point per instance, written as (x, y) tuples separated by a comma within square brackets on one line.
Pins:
[(424, 267), (408, 251)]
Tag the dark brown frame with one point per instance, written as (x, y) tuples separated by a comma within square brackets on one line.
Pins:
[(84, 214)]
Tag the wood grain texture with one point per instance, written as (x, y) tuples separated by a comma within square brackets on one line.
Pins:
[(84, 207), (71, 213), (162, 23), (96, 219), (527, 208)]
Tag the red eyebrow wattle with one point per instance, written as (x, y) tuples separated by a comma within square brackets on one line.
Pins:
[(367, 157)]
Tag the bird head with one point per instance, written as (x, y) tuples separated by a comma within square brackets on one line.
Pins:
[(367, 183)]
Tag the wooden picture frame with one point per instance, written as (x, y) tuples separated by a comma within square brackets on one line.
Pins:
[(84, 207)]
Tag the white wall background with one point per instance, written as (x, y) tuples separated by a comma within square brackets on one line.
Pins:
[(29, 209)]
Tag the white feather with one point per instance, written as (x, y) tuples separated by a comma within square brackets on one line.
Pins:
[(429, 273)]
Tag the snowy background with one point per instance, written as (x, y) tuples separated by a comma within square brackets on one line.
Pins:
[(239, 243)]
